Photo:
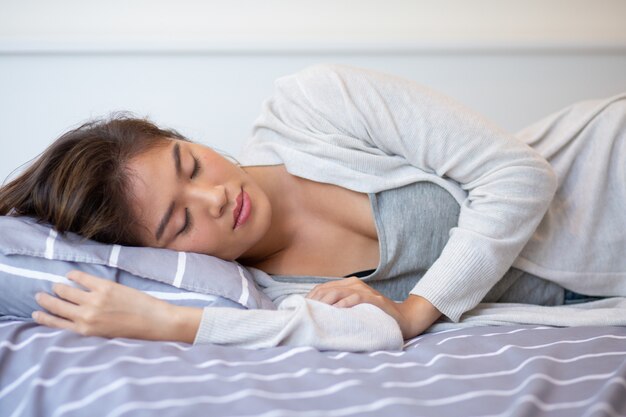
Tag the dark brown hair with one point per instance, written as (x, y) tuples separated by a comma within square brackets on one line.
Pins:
[(80, 183)]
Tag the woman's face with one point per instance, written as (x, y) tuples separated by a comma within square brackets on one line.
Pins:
[(190, 198)]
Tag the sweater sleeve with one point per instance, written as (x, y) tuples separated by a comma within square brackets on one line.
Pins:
[(509, 185), (302, 322)]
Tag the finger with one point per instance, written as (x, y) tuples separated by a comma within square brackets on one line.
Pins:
[(315, 291), (352, 280), (51, 321), (57, 306), (349, 301), (71, 294), (334, 295), (330, 298), (344, 282), (88, 281), (313, 294)]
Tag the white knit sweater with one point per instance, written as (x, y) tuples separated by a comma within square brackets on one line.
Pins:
[(368, 132)]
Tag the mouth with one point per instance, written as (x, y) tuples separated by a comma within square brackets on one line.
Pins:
[(242, 209)]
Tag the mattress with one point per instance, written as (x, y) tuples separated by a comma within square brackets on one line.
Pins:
[(480, 371)]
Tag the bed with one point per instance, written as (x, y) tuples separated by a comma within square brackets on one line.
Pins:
[(478, 371)]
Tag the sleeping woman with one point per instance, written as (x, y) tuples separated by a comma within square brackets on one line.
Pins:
[(371, 201)]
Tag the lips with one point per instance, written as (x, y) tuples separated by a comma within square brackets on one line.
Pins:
[(241, 213)]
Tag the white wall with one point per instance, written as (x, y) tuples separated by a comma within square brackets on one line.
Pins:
[(310, 24), (204, 67)]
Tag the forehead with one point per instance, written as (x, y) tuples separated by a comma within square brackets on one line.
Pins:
[(150, 164), (154, 154), (151, 184)]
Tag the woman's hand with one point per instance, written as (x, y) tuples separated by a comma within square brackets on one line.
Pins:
[(111, 310), (414, 315)]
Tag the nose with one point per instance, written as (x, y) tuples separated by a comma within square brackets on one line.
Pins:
[(212, 197)]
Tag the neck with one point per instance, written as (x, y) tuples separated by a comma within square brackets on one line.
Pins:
[(275, 184)]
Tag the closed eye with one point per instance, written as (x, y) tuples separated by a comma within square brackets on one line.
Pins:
[(188, 223), (196, 168), (188, 219)]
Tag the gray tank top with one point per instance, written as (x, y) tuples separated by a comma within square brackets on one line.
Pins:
[(413, 224)]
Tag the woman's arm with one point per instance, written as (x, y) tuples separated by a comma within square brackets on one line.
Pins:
[(414, 315), (303, 322), (110, 310), (368, 121)]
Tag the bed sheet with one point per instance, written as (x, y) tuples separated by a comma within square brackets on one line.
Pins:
[(481, 371)]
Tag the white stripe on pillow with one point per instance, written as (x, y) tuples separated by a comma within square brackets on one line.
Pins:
[(245, 293), (50, 244), (180, 269), (29, 273), (115, 254)]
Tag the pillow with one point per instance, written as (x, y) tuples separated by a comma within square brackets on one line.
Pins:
[(34, 256)]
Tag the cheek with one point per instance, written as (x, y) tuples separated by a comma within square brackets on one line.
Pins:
[(208, 239)]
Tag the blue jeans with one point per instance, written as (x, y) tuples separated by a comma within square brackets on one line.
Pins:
[(572, 297)]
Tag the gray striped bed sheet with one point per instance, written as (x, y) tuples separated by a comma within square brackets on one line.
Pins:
[(482, 371)]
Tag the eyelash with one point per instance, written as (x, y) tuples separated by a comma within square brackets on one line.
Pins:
[(196, 167), (188, 221)]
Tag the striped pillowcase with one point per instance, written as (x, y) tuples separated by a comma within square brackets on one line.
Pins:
[(34, 256)]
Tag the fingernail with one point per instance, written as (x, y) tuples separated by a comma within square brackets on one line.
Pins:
[(38, 296), (35, 315)]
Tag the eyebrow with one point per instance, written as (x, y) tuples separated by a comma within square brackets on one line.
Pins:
[(170, 210)]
